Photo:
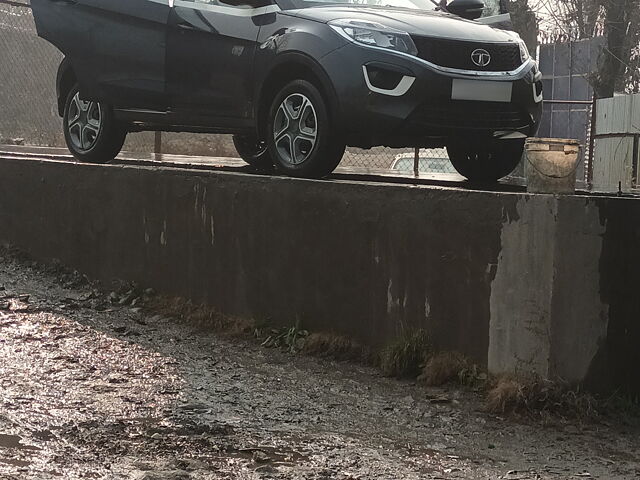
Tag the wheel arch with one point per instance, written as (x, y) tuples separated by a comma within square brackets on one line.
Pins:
[(286, 68), (65, 81)]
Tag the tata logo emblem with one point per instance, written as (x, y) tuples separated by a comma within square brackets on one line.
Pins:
[(481, 57)]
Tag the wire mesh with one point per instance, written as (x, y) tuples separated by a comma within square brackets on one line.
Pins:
[(27, 81), (29, 116), (28, 68)]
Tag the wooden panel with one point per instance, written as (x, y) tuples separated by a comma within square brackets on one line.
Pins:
[(620, 114), (604, 109), (613, 156), (612, 163), (635, 114)]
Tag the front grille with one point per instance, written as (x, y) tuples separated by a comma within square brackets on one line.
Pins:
[(466, 115), (505, 57)]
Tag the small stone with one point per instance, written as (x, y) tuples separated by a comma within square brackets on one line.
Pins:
[(194, 406), (163, 475), (440, 400), (260, 457), (128, 298)]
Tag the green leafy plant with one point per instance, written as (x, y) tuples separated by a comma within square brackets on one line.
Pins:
[(288, 338)]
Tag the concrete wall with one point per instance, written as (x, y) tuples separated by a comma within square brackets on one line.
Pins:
[(516, 281)]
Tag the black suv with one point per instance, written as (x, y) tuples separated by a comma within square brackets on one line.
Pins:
[(295, 81)]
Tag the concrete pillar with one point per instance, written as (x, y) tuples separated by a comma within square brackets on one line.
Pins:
[(546, 314)]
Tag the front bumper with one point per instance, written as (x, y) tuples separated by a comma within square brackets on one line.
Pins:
[(423, 115)]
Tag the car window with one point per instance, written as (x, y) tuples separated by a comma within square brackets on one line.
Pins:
[(217, 3), (410, 4)]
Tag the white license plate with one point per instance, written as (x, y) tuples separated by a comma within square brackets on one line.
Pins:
[(481, 90)]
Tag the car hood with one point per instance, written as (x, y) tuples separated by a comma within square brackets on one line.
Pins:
[(417, 22)]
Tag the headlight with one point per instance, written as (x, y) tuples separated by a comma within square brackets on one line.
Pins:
[(524, 51), (375, 34)]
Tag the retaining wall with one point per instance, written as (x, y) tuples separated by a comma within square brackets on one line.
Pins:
[(516, 281)]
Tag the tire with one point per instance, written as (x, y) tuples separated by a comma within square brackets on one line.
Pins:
[(254, 152), (486, 161), (302, 140), (90, 129)]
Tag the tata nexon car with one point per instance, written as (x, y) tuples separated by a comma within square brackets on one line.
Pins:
[(295, 81)]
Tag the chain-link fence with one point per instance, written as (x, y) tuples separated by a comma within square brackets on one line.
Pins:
[(28, 66), (28, 115)]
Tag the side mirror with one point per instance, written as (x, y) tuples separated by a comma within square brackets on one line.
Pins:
[(469, 9)]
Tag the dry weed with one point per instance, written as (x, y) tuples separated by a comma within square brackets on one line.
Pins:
[(445, 367), (199, 315), (533, 395), (337, 347)]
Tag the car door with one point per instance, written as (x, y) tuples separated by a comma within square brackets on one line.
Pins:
[(210, 52), (117, 47), (128, 50)]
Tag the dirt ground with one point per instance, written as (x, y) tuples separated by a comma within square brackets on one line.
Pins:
[(93, 389)]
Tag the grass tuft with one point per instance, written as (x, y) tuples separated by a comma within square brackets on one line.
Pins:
[(406, 356), (336, 347)]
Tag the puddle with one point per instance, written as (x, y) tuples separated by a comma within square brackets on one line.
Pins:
[(9, 441), (13, 441)]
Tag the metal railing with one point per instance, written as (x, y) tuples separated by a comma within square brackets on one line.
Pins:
[(587, 146)]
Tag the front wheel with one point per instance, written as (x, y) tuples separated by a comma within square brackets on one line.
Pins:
[(302, 139), (486, 161), (91, 132)]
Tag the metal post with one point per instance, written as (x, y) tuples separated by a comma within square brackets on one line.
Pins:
[(416, 163), (592, 140), (157, 148)]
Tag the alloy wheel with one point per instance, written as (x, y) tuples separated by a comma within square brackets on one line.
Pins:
[(295, 129), (84, 123)]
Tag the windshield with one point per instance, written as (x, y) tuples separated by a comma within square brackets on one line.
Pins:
[(412, 4)]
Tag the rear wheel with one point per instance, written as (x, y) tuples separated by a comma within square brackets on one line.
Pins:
[(486, 161), (90, 129), (302, 140), (254, 152)]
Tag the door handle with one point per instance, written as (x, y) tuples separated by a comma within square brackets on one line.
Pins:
[(186, 27)]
